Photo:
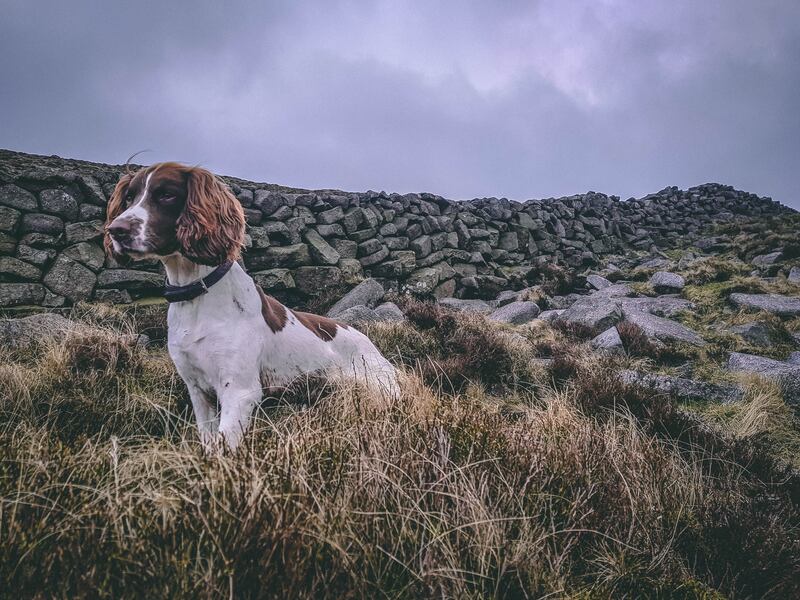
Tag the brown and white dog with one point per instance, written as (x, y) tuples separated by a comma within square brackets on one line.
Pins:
[(227, 338)]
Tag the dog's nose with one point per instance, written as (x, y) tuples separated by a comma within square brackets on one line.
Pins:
[(120, 230)]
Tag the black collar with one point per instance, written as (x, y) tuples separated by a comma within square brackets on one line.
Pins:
[(182, 293)]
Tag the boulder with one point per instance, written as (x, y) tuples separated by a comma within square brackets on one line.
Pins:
[(776, 304), (794, 275), (9, 217), (794, 358), (664, 282), (357, 315), (312, 280), (661, 307), (281, 257), (516, 313), (597, 282), (476, 306), (87, 254), (787, 375), (550, 315), (352, 273), (274, 279), (88, 231), (113, 296), (389, 311), (14, 269), (616, 290), (506, 297), (16, 197), (39, 223), (599, 313), (683, 389), (321, 250), (70, 279), (608, 341), (765, 260), (755, 333), (422, 281), (59, 203), (29, 331), (367, 293), (563, 302), (16, 294), (662, 330), (129, 279)]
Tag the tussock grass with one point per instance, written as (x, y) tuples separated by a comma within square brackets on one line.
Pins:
[(585, 489)]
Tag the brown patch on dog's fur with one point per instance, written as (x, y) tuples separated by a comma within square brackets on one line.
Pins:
[(274, 312), (322, 327)]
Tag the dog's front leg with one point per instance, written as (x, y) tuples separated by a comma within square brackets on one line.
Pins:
[(205, 413), (236, 408)]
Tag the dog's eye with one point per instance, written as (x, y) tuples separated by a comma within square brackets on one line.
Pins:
[(167, 198)]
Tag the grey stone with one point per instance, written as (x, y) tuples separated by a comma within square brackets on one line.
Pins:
[(332, 230), (321, 250), (9, 218), (472, 306), (113, 296), (36, 256), (59, 203), (259, 238), (445, 289), (88, 254), (516, 313), (756, 333), (389, 311), (375, 258), (330, 216), (89, 231), (276, 257), (312, 280), (129, 279), (616, 290), (267, 202), (421, 246), (345, 248), (357, 315), (662, 330), (368, 293), (765, 260), (782, 306), (16, 294), (661, 307), (422, 281), (351, 269), (665, 282), (16, 197), (598, 282), (14, 269), (88, 212), (551, 315), (274, 279), (40, 223), (70, 279), (28, 332), (794, 358), (683, 389), (794, 275), (608, 341), (654, 263), (506, 297), (787, 375), (597, 313), (564, 302)]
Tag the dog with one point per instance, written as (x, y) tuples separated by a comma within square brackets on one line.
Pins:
[(228, 339)]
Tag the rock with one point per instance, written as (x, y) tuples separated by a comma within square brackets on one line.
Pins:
[(59, 203), (664, 282), (787, 375), (794, 358), (550, 315), (756, 333), (352, 273), (9, 217), (608, 341), (274, 279), (506, 297), (327, 217), (516, 313), (421, 246), (312, 280), (765, 260), (367, 293), (16, 294), (476, 306), (39, 223), (590, 312), (446, 289), (36, 256), (616, 290), (113, 296), (597, 282), (88, 254), (16, 197), (129, 279), (89, 231), (562, 302), (345, 248), (661, 307), (683, 389), (389, 311), (653, 263), (71, 279), (267, 202), (662, 330), (14, 269), (782, 306), (321, 250), (373, 259), (794, 276), (357, 315), (285, 257), (27, 332), (422, 281)]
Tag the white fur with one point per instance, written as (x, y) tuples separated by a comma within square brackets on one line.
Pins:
[(136, 212), (225, 351)]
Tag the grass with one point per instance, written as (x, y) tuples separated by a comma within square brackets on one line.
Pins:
[(489, 478)]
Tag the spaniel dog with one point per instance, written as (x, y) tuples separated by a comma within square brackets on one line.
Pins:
[(228, 339)]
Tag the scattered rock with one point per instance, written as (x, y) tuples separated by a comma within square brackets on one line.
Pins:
[(550, 315), (756, 333), (367, 293), (71, 279), (274, 279), (357, 315), (597, 282), (608, 341), (128, 279), (389, 311), (662, 330), (782, 306), (477, 306), (664, 282), (765, 260), (794, 275), (516, 313), (683, 389), (16, 294), (661, 307), (506, 297), (597, 313), (794, 358), (26, 332), (787, 375), (617, 290)]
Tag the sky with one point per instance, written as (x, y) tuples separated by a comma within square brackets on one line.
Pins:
[(461, 98)]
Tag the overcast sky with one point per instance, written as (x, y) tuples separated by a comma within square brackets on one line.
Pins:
[(465, 99)]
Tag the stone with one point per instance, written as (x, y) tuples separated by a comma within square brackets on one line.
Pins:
[(421, 246), (765, 260), (776, 304), (471, 306), (794, 276), (755, 333), (794, 358), (274, 279), (564, 302), (27, 332), (59, 203), (40, 223), (661, 307), (375, 258), (286, 257), (88, 254), (368, 293), (422, 281), (321, 251), (664, 282), (259, 238), (357, 315), (345, 248), (36, 256), (550, 315), (312, 280), (267, 202), (616, 290), (445, 289), (280, 233), (597, 281), (653, 263), (88, 212), (16, 197), (129, 279), (516, 313), (333, 215), (9, 218), (14, 269), (89, 231), (662, 330), (687, 390), (389, 311), (113, 296), (16, 294), (351, 270), (598, 314), (332, 230), (70, 279), (608, 342), (787, 375), (506, 297)]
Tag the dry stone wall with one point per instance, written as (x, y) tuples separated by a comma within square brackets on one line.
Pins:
[(302, 242)]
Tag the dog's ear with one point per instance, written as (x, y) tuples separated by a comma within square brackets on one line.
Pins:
[(211, 227), (115, 207)]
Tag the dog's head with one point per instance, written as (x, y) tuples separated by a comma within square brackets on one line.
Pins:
[(168, 208)]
